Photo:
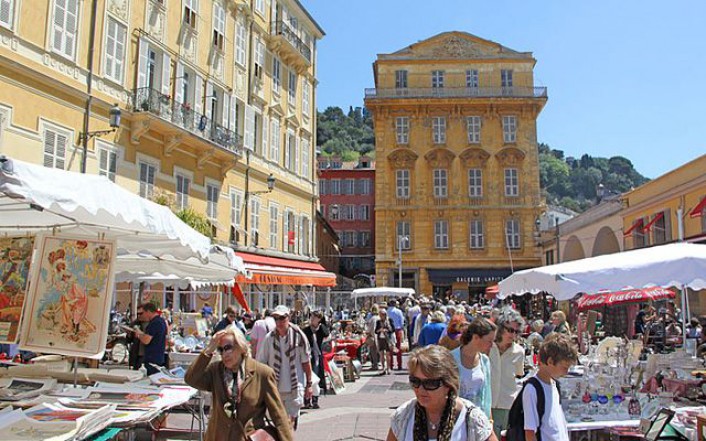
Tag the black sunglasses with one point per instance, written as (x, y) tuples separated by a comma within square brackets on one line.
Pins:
[(226, 348), (427, 384), (279, 318)]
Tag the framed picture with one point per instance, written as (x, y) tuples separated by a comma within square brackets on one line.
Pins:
[(68, 302), (15, 258), (335, 375)]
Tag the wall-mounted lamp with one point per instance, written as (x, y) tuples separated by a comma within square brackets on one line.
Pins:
[(114, 122), (270, 186)]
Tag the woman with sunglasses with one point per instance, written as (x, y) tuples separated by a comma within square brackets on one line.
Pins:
[(507, 359), (243, 389), (437, 413), (474, 364)]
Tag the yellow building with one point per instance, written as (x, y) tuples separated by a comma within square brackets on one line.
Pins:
[(216, 96), (457, 178)]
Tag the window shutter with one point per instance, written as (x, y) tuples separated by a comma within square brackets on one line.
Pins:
[(209, 100), (49, 148), (265, 136), (142, 62), (166, 71), (249, 136), (6, 12), (225, 116), (60, 150), (110, 43), (233, 114), (103, 160), (70, 28), (285, 231), (198, 94), (296, 155), (179, 84), (59, 25), (120, 38)]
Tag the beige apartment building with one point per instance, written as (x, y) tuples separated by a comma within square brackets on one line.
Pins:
[(457, 174), (217, 97)]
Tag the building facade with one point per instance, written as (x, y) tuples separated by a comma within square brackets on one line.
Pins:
[(347, 195), (457, 174), (216, 97)]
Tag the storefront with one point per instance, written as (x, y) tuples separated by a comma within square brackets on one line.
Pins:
[(467, 284)]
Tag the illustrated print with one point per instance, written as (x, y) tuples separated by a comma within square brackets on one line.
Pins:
[(15, 257)]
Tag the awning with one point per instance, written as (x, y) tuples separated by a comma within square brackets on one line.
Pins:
[(590, 301), (475, 276), (699, 209), (637, 224), (657, 217), (267, 270)]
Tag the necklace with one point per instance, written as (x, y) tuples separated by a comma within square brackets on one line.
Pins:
[(433, 426)]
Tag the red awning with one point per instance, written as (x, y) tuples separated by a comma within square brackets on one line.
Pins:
[(238, 294), (647, 227), (264, 270), (699, 209), (638, 223), (277, 261), (591, 301)]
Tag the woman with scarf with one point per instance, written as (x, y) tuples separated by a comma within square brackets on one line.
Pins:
[(316, 333), (243, 389), (436, 412)]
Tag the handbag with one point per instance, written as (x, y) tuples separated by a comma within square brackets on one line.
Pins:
[(267, 433)]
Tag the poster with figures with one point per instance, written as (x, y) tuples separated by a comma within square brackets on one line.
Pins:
[(15, 257), (68, 300)]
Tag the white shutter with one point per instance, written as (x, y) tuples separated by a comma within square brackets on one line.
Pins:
[(70, 28), (209, 100), (249, 136), (265, 136), (287, 140), (103, 161), (49, 148), (233, 114), (6, 12), (120, 38), (166, 70), (285, 231), (110, 43), (179, 85), (59, 25), (61, 140), (142, 62), (198, 94), (226, 110), (296, 155)]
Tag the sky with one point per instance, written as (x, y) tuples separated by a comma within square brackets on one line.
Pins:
[(624, 77)]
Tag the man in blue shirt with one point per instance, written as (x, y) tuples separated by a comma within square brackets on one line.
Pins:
[(154, 338), (397, 317)]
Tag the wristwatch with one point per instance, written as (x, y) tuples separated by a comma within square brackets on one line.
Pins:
[(308, 384)]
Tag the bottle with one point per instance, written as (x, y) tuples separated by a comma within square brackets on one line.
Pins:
[(634, 408)]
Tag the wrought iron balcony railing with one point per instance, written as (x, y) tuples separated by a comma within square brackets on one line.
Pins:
[(283, 29), (458, 92), (181, 115)]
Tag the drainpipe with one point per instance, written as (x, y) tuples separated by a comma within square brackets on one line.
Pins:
[(558, 239), (89, 84)]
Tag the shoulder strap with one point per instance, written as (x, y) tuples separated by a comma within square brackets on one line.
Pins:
[(540, 403)]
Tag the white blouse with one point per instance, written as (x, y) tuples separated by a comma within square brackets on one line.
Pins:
[(471, 425)]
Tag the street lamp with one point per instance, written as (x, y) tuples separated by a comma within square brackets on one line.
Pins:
[(401, 239), (83, 137), (270, 186)]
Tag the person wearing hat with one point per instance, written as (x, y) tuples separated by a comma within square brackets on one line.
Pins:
[(286, 349)]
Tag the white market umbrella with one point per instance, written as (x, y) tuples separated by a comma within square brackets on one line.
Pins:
[(382, 291), (34, 198), (677, 264)]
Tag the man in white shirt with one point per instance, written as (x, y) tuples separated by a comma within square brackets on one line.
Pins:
[(259, 330), (507, 360)]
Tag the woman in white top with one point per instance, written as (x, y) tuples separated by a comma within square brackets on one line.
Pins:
[(436, 413), (474, 364)]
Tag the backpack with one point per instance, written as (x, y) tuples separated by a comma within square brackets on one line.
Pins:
[(516, 417)]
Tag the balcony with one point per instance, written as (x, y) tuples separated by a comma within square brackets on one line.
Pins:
[(173, 118), (291, 48), (458, 92)]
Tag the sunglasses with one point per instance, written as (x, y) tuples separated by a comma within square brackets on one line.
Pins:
[(280, 318), (512, 330), (427, 384), (226, 348)]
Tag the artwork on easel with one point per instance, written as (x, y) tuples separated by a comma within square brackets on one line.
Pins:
[(335, 376), (15, 258), (68, 300)]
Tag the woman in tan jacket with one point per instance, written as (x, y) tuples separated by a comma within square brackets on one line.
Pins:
[(243, 389)]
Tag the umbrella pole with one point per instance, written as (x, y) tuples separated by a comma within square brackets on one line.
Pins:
[(684, 315), (75, 371)]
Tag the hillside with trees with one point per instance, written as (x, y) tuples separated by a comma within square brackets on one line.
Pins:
[(566, 181)]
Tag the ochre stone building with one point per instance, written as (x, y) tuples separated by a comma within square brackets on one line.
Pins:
[(457, 174)]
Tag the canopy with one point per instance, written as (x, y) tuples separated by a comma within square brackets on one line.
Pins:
[(221, 270), (382, 292), (590, 301), (676, 264), (35, 198)]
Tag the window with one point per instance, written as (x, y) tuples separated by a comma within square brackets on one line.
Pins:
[(55, 144), (404, 235), (275, 141), (335, 186), (191, 8), (639, 238), (476, 240), (107, 163), (114, 50), (402, 184), (472, 78), (241, 38), (292, 88), (400, 79), (236, 207), (212, 192), (323, 186), (363, 186), (441, 234), (305, 234), (290, 154), (348, 212), (183, 184), (549, 257), (364, 238), (475, 182), (506, 81), (306, 100), (306, 158), (402, 129), (512, 188), (437, 79), (473, 126), (660, 233), (512, 234), (509, 128), (260, 6), (254, 220), (274, 217), (438, 126), (276, 75), (441, 183), (219, 27), (7, 13), (65, 27), (289, 230), (364, 212), (147, 175), (348, 185), (333, 212), (259, 71)]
